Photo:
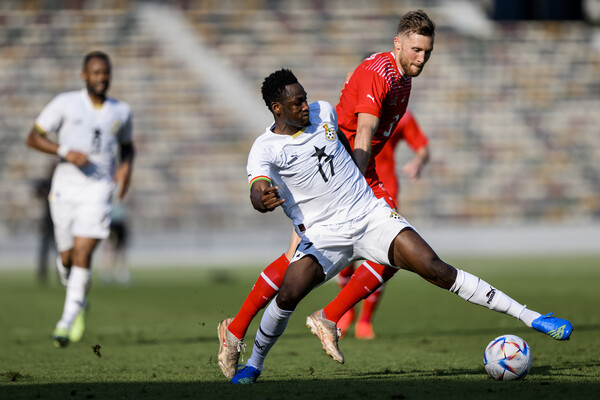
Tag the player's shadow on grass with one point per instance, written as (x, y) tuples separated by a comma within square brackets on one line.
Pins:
[(565, 369), (201, 339), (453, 384)]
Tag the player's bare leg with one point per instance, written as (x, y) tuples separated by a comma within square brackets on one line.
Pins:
[(409, 251)]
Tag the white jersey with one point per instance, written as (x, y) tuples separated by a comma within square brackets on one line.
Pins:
[(94, 131), (316, 176)]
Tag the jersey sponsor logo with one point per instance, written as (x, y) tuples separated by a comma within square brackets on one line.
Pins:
[(372, 98), (292, 159), (329, 133)]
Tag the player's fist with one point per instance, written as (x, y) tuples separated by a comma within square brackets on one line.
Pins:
[(270, 198), (78, 158)]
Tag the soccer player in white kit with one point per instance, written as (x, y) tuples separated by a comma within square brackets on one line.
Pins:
[(301, 164), (94, 132)]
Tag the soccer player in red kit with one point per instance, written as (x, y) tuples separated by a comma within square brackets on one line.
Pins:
[(372, 103), (408, 130)]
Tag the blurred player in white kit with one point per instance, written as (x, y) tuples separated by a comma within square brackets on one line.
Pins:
[(96, 156)]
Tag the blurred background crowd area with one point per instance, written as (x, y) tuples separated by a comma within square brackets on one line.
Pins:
[(510, 101)]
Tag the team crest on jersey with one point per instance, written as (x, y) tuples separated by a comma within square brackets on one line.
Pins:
[(115, 127), (395, 215), (329, 133)]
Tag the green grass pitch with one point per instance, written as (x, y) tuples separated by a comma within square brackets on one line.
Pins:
[(157, 338)]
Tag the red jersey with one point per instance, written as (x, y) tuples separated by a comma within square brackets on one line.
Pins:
[(378, 88), (411, 132)]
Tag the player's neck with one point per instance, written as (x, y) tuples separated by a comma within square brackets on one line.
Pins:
[(97, 100), (395, 55), (281, 128)]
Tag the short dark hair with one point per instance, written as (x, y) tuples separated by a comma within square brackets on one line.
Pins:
[(416, 22), (273, 87), (95, 54)]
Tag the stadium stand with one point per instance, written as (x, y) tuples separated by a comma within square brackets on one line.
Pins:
[(512, 116)]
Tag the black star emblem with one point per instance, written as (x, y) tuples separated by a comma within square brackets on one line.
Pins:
[(319, 152)]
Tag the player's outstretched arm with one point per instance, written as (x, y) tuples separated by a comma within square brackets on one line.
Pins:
[(39, 141), (265, 197)]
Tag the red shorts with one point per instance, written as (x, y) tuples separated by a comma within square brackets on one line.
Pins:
[(381, 193)]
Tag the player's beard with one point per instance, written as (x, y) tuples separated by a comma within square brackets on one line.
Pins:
[(410, 69), (98, 89)]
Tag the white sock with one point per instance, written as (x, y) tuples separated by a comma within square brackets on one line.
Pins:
[(63, 272), (271, 326), (478, 291), (77, 289)]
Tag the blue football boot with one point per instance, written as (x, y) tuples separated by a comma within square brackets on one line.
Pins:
[(556, 328), (245, 374)]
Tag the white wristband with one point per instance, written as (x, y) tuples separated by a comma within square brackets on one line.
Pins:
[(62, 151)]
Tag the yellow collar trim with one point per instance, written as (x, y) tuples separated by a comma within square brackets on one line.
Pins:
[(295, 135)]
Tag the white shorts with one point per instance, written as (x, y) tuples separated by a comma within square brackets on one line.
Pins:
[(368, 237), (79, 219)]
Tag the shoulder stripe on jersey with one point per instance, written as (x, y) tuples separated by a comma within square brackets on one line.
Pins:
[(39, 129), (385, 68), (259, 178)]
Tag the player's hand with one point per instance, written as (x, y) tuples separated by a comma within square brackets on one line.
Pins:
[(270, 198), (412, 170), (122, 178), (78, 158)]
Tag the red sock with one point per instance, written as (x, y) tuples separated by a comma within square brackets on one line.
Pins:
[(345, 275), (369, 305), (265, 288), (348, 318), (364, 282)]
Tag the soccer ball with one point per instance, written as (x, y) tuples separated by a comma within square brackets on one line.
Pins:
[(506, 358)]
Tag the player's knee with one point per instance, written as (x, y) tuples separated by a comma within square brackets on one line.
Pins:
[(81, 256), (287, 299)]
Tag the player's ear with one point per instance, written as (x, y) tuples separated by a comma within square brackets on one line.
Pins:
[(276, 108)]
